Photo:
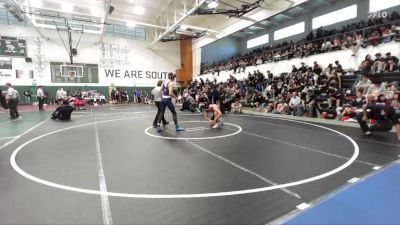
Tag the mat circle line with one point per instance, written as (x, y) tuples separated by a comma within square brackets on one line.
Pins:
[(146, 131), (177, 196)]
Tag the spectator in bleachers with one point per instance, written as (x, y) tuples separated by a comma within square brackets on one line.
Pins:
[(236, 107), (358, 42), (363, 84), (295, 105), (354, 105), (366, 64), (376, 89), (396, 101), (378, 65), (386, 35), (391, 63)]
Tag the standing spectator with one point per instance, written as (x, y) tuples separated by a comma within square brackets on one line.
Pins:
[(12, 100), (339, 71), (41, 97), (28, 96), (3, 101), (358, 42), (113, 98), (59, 99)]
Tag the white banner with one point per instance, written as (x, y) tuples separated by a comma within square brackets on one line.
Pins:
[(131, 77)]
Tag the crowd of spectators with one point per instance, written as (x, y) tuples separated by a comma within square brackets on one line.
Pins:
[(307, 90), (353, 36), (121, 96)]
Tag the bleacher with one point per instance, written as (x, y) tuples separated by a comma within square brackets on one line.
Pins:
[(382, 77)]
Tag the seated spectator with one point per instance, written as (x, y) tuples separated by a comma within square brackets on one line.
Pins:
[(382, 100), (355, 104), (281, 105), (396, 101), (236, 107), (326, 46), (390, 63), (295, 105), (189, 104), (337, 44), (366, 65), (390, 91), (363, 84), (378, 65), (63, 112), (373, 38), (376, 89), (387, 35), (317, 68), (347, 41), (335, 98)]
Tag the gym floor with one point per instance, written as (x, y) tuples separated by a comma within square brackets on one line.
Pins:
[(109, 166)]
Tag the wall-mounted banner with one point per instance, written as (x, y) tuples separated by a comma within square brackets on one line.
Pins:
[(5, 64), (132, 77), (11, 46), (6, 73), (24, 74)]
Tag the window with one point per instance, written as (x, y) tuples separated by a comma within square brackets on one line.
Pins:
[(289, 31), (378, 5), (335, 17), (264, 39)]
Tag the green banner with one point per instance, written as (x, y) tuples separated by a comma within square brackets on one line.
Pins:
[(10, 46)]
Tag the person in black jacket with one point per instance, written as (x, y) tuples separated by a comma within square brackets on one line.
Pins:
[(63, 112), (3, 101)]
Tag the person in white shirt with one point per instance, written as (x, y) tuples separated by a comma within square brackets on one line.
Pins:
[(156, 92), (59, 99), (295, 105), (41, 97), (12, 100)]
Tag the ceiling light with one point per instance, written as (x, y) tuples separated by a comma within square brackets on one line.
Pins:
[(213, 4), (130, 24), (67, 7), (139, 10), (96, 11), (35, 3), (183, 27)]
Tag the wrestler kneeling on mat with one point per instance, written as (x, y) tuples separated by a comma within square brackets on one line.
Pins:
[(63, 112), (384, 115), (216, 113)]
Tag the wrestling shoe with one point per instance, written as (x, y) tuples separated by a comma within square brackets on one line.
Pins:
[(179, 128)]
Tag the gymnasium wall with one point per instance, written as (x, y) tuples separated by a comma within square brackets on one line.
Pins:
[(145, 67)]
